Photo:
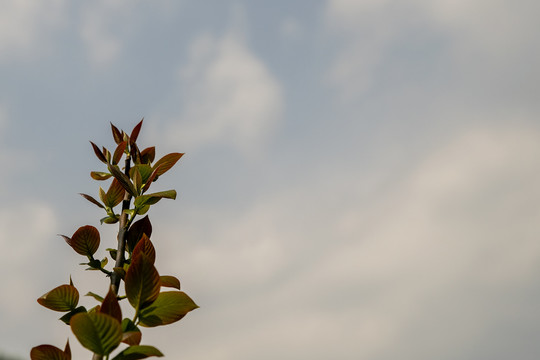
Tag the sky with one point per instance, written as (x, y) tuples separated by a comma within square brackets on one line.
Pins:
[(360, 179)]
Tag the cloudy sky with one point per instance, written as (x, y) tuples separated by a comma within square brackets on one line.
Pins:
[(361, 178)]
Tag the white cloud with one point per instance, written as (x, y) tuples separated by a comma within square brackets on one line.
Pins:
[(25, 25), (423, 264), (229, 95)]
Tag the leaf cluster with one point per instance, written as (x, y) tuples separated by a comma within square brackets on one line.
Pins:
[(103, 328)]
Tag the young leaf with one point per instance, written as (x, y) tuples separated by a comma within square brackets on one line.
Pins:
[(98, 332), (137, 179), (148, 155), (61, 298), (144, 170), (142, 282), (95, 296), (115, 194), (169, 307), (151, 199), (110, 306), (98, 153), (119, 152), (48, 352), (117, 134), (167, 162), (169, 281), (137, 352), (107, 155), (136, 231), (145, 247), (150, 179), (85, 240), (99, 175), (92, 200), (123, 179), (135, 132)]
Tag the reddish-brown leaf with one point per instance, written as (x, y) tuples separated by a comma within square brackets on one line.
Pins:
[(110, 306), (98, 153), (85, 240), (135, 132), (142, 282), (48, 352), (148, 155), (117, 134), (136, 231), (167, 162), (119, 152), (123, 179), (146, 247), (115, 194), (92, 200)]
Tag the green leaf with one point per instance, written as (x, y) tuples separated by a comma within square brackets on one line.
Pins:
[(109, 219), (148, 155), (107, 154), (137, 178), (137, 352), (67, 317), (143, 210), (98, 153), (169, 307), (123, 179), (132, 335), (146, 247), (169, 281), (142, 282), (95, 296), (48, 352), (61, 298), (92, 200), (99, 175), (150, 180), (151, 199), (167, 162), (85, 240), (98, 332), (115, 194), (136, 231), (119, 152), (103, 196), (144, 170)]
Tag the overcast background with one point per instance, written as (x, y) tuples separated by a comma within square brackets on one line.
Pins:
[(361, 179)]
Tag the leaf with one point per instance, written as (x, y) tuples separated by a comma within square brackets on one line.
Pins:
[(145, 247), (95, 296), (119, 152), (109, 219), (110, 306), (137, 179), (167, 162), (169, 307), (142, 282), (132, 335), (103, 196), (135, 132), (85, 240), (148, 155), (100, 175), (123, 179), (115, 194), (169, 281), (144, 170), (107, 155), (151, 199), (137, 352), (135, 154), (92, 200), (150, 180), (136, 231), (98, 332), (117, 134), (67, 317), (98, 153), (61, 298), (67, 350), (48, 352)]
